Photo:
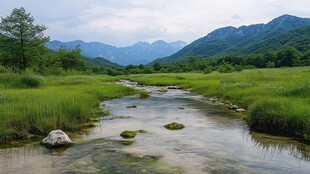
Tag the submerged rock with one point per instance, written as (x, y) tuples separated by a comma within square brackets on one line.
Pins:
[(240, 110), (233, 107), (161, 90), (128, 134), (131, 106), (174, 126), (56, 138), (142, 131), (126, 143)]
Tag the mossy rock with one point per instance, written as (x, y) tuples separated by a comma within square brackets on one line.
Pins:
[(174, 126), (128, 134), (142, 131)]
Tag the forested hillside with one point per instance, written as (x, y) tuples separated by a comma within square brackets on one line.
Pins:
[(281, 32)]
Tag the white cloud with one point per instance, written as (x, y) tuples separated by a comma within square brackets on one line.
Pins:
[(120, 22)]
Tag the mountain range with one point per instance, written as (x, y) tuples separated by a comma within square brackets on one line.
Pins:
[(279, 33), (139, 53)]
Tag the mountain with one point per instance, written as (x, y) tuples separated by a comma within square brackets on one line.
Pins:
[(99, 62), (139, 53), (283, 31)]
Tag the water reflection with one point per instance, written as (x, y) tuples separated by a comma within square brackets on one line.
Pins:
[(271, 145)]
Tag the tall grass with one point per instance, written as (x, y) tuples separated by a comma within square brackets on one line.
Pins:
[(58, 103), (277, 99)]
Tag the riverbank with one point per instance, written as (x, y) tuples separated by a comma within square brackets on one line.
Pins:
[(34, 105), (276, 100)]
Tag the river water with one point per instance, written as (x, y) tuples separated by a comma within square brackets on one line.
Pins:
[(214, 140)]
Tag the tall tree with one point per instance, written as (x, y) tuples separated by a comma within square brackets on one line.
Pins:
[(22, 40)]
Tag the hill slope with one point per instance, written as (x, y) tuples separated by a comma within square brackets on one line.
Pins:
[(139, 53), (283, 31), (99, 62)]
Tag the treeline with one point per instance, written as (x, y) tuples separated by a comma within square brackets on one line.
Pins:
[(287, 57), (284, 58)]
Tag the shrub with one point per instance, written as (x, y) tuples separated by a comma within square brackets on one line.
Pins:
[(226, 68), (25, 82)]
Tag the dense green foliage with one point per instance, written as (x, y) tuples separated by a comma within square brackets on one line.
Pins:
[(287, 57), (36, 105), (276, 99)]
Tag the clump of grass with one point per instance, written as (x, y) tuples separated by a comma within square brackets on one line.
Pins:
[(281, 115), (144, 95), (24, 82)]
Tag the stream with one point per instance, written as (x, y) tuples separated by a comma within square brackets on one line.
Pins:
[(214, 140)]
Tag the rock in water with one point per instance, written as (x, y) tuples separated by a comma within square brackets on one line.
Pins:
[(128, 134), (174, 126), (56, 138), (233, 107), (240, 110)]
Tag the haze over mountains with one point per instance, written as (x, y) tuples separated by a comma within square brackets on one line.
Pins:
[(139, 53), (279, 33)]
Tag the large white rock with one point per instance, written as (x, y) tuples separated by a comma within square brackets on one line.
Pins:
[(56, 138)]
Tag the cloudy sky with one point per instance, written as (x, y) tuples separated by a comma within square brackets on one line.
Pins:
[(125, 22)]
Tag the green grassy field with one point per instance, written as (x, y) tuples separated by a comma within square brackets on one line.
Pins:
[(277, 100), (37, 105)]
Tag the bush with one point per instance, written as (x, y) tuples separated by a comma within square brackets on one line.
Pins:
[(4, 69), (25, 82), (226, 68)]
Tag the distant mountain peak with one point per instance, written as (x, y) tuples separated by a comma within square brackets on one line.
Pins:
[(139, 53)]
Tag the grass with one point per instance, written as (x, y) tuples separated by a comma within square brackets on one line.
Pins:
[(277, 100), (37, 105)]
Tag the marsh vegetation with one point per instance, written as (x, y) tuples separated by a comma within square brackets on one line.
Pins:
[(277, 100)]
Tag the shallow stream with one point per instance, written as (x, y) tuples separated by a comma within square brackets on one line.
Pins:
[(214, 140)]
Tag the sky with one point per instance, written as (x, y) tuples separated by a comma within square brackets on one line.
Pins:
[(125, 22)]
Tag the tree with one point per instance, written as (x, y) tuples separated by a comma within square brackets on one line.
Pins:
[(141, 66), (22, 40), (288, 57), (157, 66), (70, 59)]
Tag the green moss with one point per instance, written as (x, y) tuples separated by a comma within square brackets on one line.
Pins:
[(128, 134), (174, 126)]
